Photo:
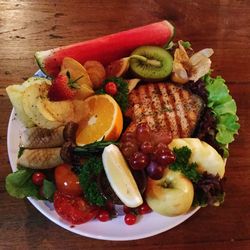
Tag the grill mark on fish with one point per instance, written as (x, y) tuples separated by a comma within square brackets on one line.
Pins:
[(168, 104), (179, 107)]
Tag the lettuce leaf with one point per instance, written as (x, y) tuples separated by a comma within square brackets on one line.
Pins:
[(19, 184), (224, 108)]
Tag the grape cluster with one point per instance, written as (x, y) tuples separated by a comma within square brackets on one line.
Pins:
[(147, 149)]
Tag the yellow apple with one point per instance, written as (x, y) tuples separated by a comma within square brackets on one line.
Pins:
[(171, 195), (207, 158)]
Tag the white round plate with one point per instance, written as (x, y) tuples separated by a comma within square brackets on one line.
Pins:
[(115, 229)]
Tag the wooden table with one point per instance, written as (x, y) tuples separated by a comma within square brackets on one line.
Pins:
[(27, 26)]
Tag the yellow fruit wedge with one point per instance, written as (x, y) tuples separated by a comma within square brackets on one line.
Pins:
[(120, 177), (76, 70)]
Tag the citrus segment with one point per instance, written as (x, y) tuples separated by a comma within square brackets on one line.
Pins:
[(102, 118), (120, 177)]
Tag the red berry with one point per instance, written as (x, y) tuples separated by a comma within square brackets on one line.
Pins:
[(130, 219), (144, 209), (103, 216), (111, 88), (37, 178), (61, 89)]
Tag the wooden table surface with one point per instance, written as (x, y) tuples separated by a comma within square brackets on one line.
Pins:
[(28, 26)]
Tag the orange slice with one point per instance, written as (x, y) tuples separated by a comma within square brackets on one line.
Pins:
[(102, 118)]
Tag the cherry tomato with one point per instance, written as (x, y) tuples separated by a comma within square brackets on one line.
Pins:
[(74, 209), (67, 181), (111, 88), (37, 178), (130, 219), (144, 209), (103, 216)]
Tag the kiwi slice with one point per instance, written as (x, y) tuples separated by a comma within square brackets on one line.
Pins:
[(151, 63)]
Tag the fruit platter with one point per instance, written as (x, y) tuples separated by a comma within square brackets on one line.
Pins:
[(121, 137)]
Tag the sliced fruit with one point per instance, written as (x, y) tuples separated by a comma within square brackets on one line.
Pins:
[(76, 70), (151, 62), (62, 111), (102, 118), (15, 93), (120, 177), (33, 107), (118, 67), (96, 73), (105, 49), (132, 83)]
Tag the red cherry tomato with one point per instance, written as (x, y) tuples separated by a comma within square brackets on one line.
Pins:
[(37, 178), (111, 88), (144, 209), (103, 216), (67, 181), (74, 209), (130, 219)]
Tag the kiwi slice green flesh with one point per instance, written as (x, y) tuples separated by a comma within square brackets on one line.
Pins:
[(151, 62)]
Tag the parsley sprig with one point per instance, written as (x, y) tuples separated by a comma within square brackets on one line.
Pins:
[(182, 164), (88, 180)]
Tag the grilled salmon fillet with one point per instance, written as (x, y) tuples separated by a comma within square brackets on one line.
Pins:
[(165, 106)]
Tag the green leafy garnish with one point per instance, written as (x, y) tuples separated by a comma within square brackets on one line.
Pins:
[(186, 44), (224, 108), (48, 190), (93, 148), (122, 91), (19, 184), (88, 180), (182, 164)]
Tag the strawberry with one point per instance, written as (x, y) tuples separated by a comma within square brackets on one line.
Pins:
[(62, 88)]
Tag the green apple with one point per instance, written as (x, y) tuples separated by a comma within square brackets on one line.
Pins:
[(171, 195)]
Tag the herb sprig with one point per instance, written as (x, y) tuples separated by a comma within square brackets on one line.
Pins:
[(182, 164), (93, 148), (88, 180)]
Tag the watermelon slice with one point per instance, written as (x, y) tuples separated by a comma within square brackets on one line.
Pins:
[(107, 48)]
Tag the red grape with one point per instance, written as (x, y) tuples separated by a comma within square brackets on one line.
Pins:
[(147, 147), (128, 136), (139, 160), (128, 148), (143, 132), (164, 156), (155, 171), (161, 136)]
